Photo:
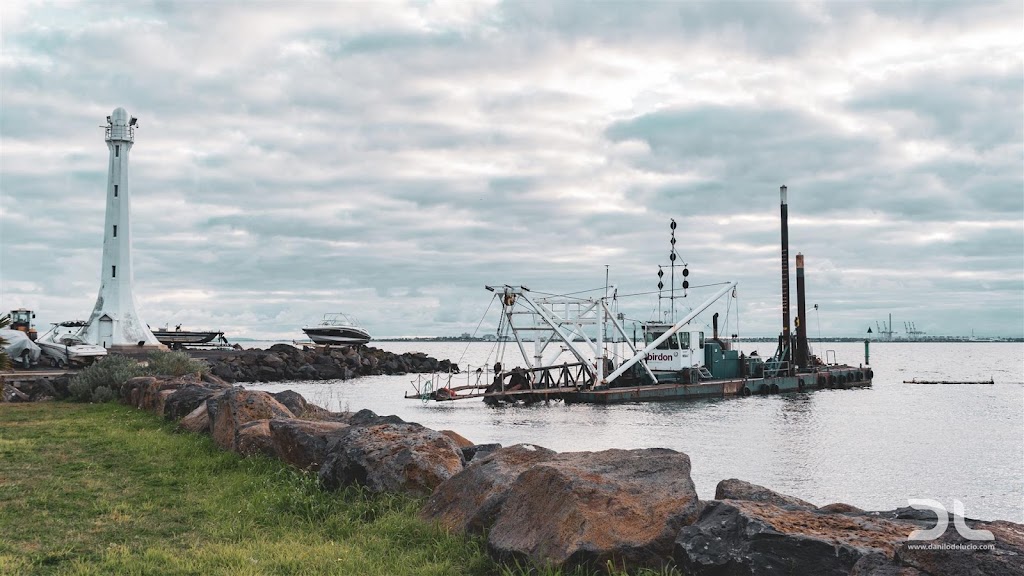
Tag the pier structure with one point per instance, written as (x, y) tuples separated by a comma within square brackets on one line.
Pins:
[(114, 322)]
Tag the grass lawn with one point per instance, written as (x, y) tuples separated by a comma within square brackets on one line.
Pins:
[(107, 489)]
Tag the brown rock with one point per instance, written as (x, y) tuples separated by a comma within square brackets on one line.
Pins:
[(161, 400), (591, 508), (840, 508), (186, 399), (197, 421), (237, 406), (213, 381), (299, 406), (400, 458), (254, 438), (953, 555), (880, 565), (752, 537), (131, 390), (302, 443), (733, 489), (12, 394), (469, 501), (460, 440)]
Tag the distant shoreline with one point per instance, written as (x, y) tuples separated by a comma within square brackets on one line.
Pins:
[(938, 339), (457, 339)]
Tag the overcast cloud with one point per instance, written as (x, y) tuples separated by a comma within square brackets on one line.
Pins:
[(389, 160)]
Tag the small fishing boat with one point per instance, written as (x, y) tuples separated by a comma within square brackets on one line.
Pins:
[(339, 329), (178, 338), (63, 346)]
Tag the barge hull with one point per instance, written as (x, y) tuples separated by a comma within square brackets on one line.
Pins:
[(854, 378)]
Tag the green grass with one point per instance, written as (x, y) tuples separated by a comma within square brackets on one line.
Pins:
[(105, 489)]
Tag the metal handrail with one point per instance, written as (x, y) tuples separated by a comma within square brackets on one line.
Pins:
[(774, 367), (119, 132)]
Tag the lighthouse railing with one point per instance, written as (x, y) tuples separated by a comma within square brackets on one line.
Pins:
[(117, 132)]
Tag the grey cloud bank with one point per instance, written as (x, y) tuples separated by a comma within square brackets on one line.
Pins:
[(296, 159)]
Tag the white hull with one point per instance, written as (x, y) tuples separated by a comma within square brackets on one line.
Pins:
[(64, 347), (81, 354), (347, 336), (337, 328)]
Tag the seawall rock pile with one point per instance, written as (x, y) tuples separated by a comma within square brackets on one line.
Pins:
[(625, 508), (283, 362)]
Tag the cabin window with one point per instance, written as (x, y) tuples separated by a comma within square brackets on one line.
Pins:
[(701, 340), (115, 190), (684, 340), (113, 271), (670, 343), (117, 150), (115, 230)]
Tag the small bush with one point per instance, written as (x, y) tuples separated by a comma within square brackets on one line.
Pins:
[(80, 390), (102, 394), (111, 372), (175, 364)]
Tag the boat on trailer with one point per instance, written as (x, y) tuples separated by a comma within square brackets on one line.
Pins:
[(602, 364), (177, 339), (63, 346)]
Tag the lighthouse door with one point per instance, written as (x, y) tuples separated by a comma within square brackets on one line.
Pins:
[(106, 331)]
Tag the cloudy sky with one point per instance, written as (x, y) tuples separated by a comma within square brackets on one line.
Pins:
[(390, 159)]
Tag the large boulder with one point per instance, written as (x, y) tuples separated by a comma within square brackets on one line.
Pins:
[(302, 443), (34, 390), (953, 555), (254, 439), (469, 501), (197, 421), (237, 406), (152, 393), (459, 439), (186, 399), (131, 390), (756, 538), (590, 508), (13, 394), (367, 417), (479, 450), (213, 381), (298, 404), (733, 489), (399, 458)]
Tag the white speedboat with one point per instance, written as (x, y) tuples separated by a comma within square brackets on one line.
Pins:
[(63, 347), (337, 329)]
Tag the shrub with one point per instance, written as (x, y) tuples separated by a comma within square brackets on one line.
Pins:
[(111, 372), (174, 364), (102, 394)]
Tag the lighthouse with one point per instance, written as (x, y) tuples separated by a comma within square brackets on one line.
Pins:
[(114, 323)]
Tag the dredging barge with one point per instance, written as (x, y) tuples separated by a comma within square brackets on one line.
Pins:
[(676, 362)]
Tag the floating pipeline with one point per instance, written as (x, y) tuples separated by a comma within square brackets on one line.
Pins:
[(284, 362)]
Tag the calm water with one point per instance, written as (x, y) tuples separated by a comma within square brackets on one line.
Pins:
[(872, 448)]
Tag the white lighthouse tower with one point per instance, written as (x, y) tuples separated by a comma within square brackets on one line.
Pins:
[(114, 323)]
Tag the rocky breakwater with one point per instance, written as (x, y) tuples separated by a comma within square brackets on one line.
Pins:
[(751, 530), (621, 508), (283, 362)]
